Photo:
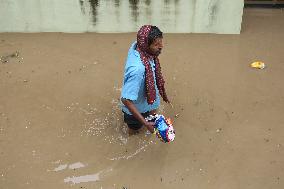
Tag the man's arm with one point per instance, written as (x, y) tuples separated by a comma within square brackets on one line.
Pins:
[(131, 107)]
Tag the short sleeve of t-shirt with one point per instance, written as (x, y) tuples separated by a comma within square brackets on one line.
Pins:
[(132, 83)]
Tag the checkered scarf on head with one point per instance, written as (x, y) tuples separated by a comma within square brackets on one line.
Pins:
[(143, 49)]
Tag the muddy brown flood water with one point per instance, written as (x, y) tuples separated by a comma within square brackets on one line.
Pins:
[(61, 125)]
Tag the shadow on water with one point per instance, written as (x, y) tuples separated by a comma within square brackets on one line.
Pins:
[(134, 9)]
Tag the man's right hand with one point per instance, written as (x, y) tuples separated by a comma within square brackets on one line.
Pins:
[(149, 125), (131, 107)]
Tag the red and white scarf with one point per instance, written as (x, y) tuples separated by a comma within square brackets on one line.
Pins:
[(143, 49)]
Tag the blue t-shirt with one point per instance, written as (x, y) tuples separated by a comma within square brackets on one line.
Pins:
[(134, 83)]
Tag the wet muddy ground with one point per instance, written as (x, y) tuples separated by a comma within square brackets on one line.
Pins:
[(61, 126)]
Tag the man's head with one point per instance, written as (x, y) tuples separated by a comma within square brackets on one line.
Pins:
[(150, 40), (155, 41)]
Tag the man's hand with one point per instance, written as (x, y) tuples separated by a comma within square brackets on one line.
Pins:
[(149, 125), (131, 107)]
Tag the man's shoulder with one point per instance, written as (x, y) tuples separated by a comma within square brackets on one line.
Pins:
[(134, 63), (135, 67)]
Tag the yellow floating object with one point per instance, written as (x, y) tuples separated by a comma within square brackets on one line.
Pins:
[(258, 64)]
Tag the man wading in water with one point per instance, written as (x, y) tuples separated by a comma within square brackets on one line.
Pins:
[(143, 80)]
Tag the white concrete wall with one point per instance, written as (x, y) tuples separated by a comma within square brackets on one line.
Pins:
[(172, 16)]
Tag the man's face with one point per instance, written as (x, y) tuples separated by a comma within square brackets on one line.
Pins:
[(156, 47)]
